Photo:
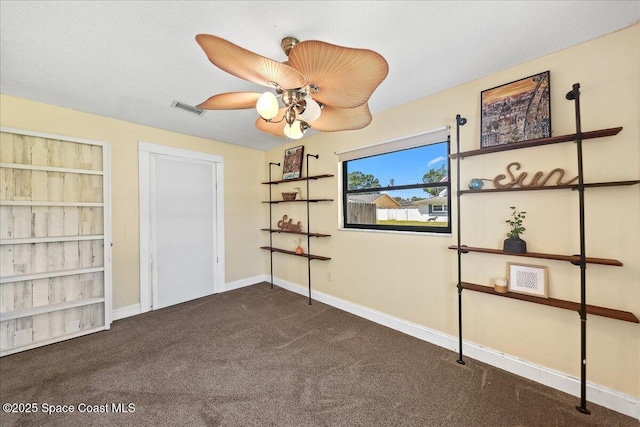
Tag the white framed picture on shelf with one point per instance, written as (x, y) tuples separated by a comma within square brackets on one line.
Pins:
[(528, 279)]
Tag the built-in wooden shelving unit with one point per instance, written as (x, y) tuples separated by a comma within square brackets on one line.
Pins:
[(56, 246)]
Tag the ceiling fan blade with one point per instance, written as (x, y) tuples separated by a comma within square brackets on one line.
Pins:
[(231, 101), (248, 65), (338, 119), (345, 77), (276, 129)]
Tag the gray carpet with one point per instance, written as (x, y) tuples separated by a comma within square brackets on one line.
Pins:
[(263, 357)]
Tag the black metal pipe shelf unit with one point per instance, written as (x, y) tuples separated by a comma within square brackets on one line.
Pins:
[(579, 260), (310, 257)]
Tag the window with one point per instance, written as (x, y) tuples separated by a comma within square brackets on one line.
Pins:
[(402, 185)]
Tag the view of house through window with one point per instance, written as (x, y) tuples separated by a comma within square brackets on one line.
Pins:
[(405, 190)]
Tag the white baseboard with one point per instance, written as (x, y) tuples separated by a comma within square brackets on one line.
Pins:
[(134, 309), (128, 311), (244, 282), (597, 394)]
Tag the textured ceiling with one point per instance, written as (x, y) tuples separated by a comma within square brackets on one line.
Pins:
[(131, 59)]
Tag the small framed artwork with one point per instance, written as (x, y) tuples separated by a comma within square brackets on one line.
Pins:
[(528, 279), (516, 111), (292, 162)]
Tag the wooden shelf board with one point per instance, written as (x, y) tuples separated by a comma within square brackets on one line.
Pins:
[(554, 187), (24, 240), (611, 183), (570, 258), (48, 274), (277, 230), (537, 142), (52, 340), (33, 311), (298, 200), (567, 305), (304, 178), (283, 251), (50, 169), (41, 203)]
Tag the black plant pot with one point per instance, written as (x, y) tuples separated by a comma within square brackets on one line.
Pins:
[(515, 245)]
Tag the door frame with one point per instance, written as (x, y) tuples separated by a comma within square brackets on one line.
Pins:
[(145, 151)]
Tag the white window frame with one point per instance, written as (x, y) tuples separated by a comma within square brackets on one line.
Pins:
[(429, 137)]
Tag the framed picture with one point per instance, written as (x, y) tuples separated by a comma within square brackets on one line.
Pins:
[(292, 162), (528, 279), (516, 111)]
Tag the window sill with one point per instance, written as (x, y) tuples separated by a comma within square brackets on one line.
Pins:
[(412, 233)]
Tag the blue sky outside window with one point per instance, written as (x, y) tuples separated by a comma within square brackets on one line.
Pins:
[(406, 193)]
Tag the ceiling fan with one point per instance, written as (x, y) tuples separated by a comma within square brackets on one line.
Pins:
[(321, 86)]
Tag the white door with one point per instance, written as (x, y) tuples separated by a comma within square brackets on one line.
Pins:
[(183, 229)]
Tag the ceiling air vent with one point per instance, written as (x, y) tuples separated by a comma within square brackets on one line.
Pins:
[(187, 107)]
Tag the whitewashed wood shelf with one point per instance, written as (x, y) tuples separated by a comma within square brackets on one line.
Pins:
[(48, 341), (50, 169), (42, 309), (44, 203), (46, 275), (53, 239)]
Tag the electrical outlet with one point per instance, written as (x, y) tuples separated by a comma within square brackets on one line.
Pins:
[(329, 278)]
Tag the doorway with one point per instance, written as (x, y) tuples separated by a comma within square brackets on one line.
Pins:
[(181, 226)]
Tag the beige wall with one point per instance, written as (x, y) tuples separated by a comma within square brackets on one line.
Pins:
[(243, 171), (413, 277)]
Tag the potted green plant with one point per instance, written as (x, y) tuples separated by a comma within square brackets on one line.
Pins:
[(514, 243)]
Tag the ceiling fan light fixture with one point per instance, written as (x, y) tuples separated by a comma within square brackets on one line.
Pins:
[(322, 86), (311, 111), (267, 106), (295, 130)]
